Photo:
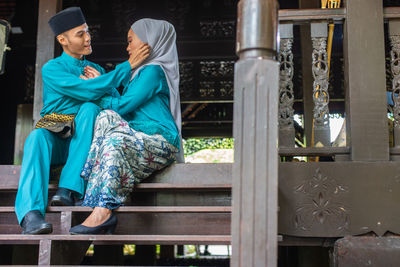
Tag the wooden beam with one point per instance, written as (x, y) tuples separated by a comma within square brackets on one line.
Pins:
[(44, 49), (365, 81), (312, 13), (313, 151)]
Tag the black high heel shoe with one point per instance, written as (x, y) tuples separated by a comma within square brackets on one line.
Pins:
[(107, 227)]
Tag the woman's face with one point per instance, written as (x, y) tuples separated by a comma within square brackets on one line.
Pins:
[(133, 42)]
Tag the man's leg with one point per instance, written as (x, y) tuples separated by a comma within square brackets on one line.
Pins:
[(79, 148), (40, 147)]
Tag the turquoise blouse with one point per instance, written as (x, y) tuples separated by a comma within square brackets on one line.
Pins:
[(145, 104), (64, 91)]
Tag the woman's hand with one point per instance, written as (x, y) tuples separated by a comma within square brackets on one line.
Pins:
[(139, 55)]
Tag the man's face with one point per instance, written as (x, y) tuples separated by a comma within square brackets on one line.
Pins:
[(76, 42), (133, 42)]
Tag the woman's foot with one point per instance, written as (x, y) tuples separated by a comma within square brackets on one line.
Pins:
[(97, 217), (99, 222)]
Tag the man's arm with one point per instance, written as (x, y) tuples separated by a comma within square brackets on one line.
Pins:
[(84, 90)]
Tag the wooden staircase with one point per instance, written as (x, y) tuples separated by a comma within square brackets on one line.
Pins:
[(183, 204)]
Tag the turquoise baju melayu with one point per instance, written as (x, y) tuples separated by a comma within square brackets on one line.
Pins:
[(64, 92)]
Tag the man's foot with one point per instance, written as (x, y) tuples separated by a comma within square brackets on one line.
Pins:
[(63, 197), (33, 223)]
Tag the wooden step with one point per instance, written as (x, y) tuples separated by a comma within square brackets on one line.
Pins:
[(199, 176), (144, 209), (152, 220), (125, 239)]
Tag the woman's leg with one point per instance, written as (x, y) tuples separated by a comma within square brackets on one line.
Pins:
[(102, 168), (122, 157)]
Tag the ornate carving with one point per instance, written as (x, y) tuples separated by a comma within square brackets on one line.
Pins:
[(217, 29), (320, 86), (226, 89), (286, 94), (186, 79), (395, 67), (216, 69), (320, 206), (207, 89)]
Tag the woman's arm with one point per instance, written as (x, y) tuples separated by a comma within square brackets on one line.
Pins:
[(146, 85)]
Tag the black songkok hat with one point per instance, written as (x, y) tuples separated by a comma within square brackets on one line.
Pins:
[(66, 19)]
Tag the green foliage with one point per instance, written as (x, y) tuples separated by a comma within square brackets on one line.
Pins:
[(191, 250), (129, 249), (193, 145)]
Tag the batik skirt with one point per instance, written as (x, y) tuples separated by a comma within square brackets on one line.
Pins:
[(119, 158)]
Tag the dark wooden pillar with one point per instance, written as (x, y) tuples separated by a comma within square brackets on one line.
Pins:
[(44, 49), (364, 55), (255, 129)]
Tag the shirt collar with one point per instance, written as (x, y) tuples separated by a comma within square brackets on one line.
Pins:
[(74, 61)]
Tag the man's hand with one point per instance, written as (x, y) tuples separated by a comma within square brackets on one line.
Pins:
[(91, 72), (139, 55)]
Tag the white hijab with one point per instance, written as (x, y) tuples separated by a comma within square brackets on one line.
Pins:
[(161, 37)]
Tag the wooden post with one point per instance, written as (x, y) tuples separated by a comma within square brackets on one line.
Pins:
[(255, 171), (65, 222), (22, 130), (364, 55), (306, 62), (319, 36), (44, 49), (286, 94), (44, 252)]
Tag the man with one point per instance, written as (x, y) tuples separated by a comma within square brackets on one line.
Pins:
[(64, 134)]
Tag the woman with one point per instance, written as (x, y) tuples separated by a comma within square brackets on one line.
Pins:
[(141, 132)]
